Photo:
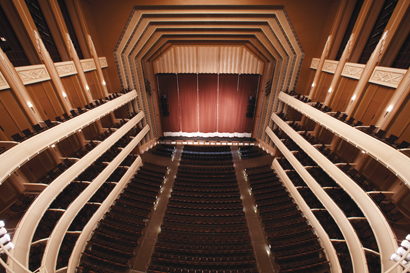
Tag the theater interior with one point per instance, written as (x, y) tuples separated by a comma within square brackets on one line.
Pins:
[(183, 136)]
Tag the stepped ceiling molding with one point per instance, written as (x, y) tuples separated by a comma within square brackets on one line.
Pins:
[(185, 39)]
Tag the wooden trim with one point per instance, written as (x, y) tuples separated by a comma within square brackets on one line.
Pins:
[(65, 68), (88, 65), (387, 76), (3, 83), (33, 73)]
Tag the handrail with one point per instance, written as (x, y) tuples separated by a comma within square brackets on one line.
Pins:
[(57, 235), (25, 229), (13, 158), (352, 240), (319, 230), (86, 233), (396, 161), (386, 239)]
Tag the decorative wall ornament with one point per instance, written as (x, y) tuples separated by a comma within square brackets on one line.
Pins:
[(3, 83), (330, 66), (88, 65), (65, 68), (353, 70), (387, 76), (33, 73), (103, 62), (315, 63)]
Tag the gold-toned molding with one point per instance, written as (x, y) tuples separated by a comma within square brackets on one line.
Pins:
[(33, 73), (3, 83), (65, 68), (353, 70), (103, 62), (88, 65), (330, 66), (387, 76), (315, 63)]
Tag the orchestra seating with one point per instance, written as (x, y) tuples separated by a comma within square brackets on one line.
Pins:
[(204, 227)]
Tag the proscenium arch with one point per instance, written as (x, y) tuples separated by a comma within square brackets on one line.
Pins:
[(265, 28)]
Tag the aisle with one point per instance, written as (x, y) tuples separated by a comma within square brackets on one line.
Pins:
[(149, 239), (260, 245)]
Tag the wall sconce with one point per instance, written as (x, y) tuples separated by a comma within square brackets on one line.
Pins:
[(352, 99), (388, 110), (103, 82), (31, 106), (88, 88), (64, 95), (330, 90), (313, 84)]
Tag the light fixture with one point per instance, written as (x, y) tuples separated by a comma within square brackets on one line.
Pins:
[(388, 110), (330, 90), (103, 82), (313, 84), (64, 95), (86, 87), (353, 97)]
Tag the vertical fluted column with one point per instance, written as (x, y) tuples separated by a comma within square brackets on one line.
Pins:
[(339, 69), (97, 65), (15, 82), (395, 102), (55, 78), (367, 72), (78, 66), (325, 53)]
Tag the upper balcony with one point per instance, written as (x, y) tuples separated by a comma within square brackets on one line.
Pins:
[(392, 158), (13, 158)]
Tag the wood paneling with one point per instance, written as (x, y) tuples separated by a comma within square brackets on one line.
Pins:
[(343, 94), (45, 99), (14, 110), (94, 85), (323, 87), (74, 92), (373, 103), (8, 126), (399, 125)]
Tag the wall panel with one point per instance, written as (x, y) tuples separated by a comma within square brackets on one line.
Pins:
[(343, 94)]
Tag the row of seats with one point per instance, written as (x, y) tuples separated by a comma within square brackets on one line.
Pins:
[(204, 228), (114, 240), (343, 200), (70, 193), (286, 229), (163, 150), (370, 130), (37, 128)]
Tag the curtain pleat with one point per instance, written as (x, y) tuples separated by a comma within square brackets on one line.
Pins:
[(227, 108), (207, 91), (207, 103), (188, 100)]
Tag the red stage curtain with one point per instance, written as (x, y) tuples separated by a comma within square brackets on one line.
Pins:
[(227, 103), (208, 101), (167, 85), (248, 85), (188, 101)]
